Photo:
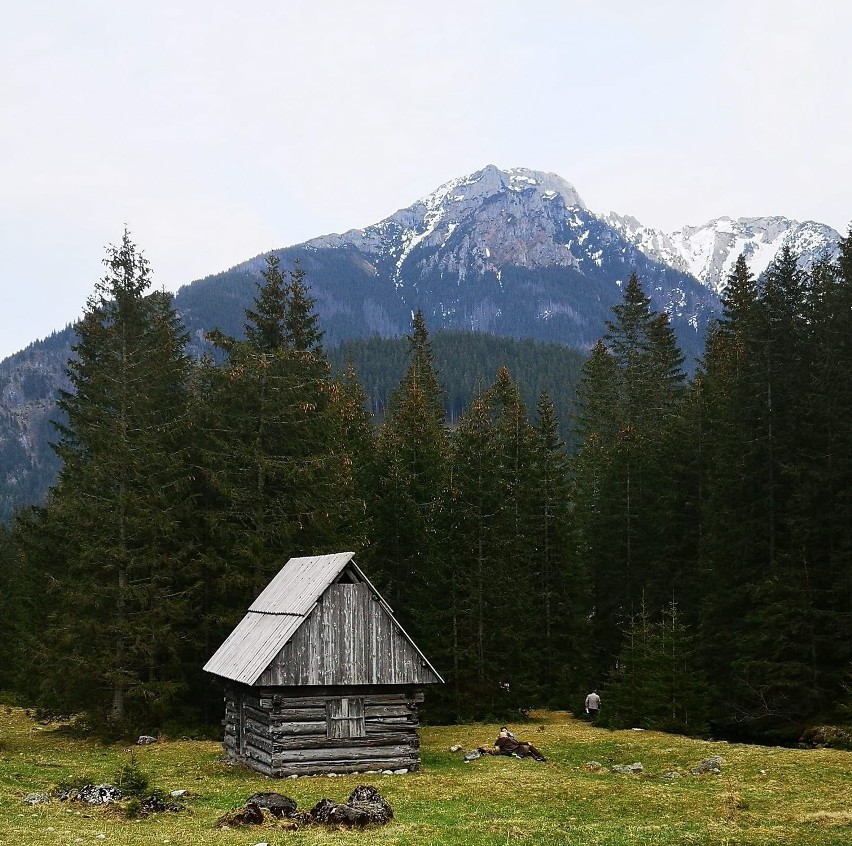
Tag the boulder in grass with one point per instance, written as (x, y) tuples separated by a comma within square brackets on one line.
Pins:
[(366, 798), (145, 740), (98, 794), (329, 812), (249, 814), (712, 765), (365, 805), (277, 804), (627, 769)]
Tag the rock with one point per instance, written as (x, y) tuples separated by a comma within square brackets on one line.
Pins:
[(36, 799), (155, 804), (176, 794), (368, 799), (456, 748), (671, 774), (627, 769), (472, 756), (592, 767), (401, 771), (277, 804), (712, 764), (93, 794), (145, 740), (248, 815), (365, 805)]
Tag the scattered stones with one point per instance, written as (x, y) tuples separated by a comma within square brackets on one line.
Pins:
[(145, 740), (36, 799), (712, 764), (627, 769), (671, 774)]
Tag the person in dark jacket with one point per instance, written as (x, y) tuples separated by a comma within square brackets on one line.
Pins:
[(508, 744)]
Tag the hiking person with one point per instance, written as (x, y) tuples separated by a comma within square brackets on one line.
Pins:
[(593, 704)]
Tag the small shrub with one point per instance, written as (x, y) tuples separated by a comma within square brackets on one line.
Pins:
[(131, 778), (133, 808)]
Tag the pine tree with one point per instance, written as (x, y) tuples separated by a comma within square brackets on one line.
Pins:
[(561, 639), (758, 620), (122, 500), (630, 396), (409, 477), (656, 682), (278, 475)]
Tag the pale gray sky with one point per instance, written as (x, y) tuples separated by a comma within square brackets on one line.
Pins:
[(217, 130)]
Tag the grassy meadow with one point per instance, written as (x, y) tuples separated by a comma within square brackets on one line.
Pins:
[(762, 796)]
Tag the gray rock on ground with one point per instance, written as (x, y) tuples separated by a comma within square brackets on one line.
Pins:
[(712, 764), (627, 769)]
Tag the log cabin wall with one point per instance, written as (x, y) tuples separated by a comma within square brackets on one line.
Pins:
[(348, 639), (323, 730)]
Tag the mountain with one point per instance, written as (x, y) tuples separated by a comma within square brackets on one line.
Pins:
[(709, 252), (515, 253)]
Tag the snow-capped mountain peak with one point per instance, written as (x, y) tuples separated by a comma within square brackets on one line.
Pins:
[(709, 252)]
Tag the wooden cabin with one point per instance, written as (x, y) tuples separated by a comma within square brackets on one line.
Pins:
[(320, 677)]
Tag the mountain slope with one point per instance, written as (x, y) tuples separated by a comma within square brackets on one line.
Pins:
[(510, 252), (709, 252)]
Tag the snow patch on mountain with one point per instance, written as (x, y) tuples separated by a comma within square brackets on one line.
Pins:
[(709, 252)]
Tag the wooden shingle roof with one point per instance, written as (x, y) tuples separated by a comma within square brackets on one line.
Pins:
[(279, 612)]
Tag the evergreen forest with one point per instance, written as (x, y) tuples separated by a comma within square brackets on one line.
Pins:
[(681, 543)]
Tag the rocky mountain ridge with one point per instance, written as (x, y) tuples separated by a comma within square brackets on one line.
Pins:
[(512, 252), (709, 252)]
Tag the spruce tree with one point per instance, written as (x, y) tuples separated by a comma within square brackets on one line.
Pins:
[(122, 498), (277, 472), (630, 396), (408, 480), (563, 602)]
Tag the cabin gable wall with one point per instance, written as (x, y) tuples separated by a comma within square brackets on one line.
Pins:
[(348, 639)]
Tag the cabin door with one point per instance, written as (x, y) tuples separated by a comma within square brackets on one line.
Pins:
[(345, 717)]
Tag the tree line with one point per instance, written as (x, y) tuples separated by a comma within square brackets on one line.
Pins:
[(690, 556)]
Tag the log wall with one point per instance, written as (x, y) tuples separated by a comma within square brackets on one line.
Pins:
[(287, 733)]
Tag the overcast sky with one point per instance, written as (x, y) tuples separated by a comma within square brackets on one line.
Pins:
[(218, 130)]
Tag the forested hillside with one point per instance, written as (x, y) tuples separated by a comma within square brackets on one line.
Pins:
[(466, 363), (692, 558)]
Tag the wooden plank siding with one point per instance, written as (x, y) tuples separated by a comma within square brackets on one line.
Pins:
[(289, 735), (348, 639)]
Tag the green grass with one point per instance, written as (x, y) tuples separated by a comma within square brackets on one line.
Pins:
[(763, 795)]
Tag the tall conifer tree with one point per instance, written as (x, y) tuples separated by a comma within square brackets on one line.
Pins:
[(122, 496)]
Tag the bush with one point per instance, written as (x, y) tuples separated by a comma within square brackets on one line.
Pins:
[(131, 778)]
